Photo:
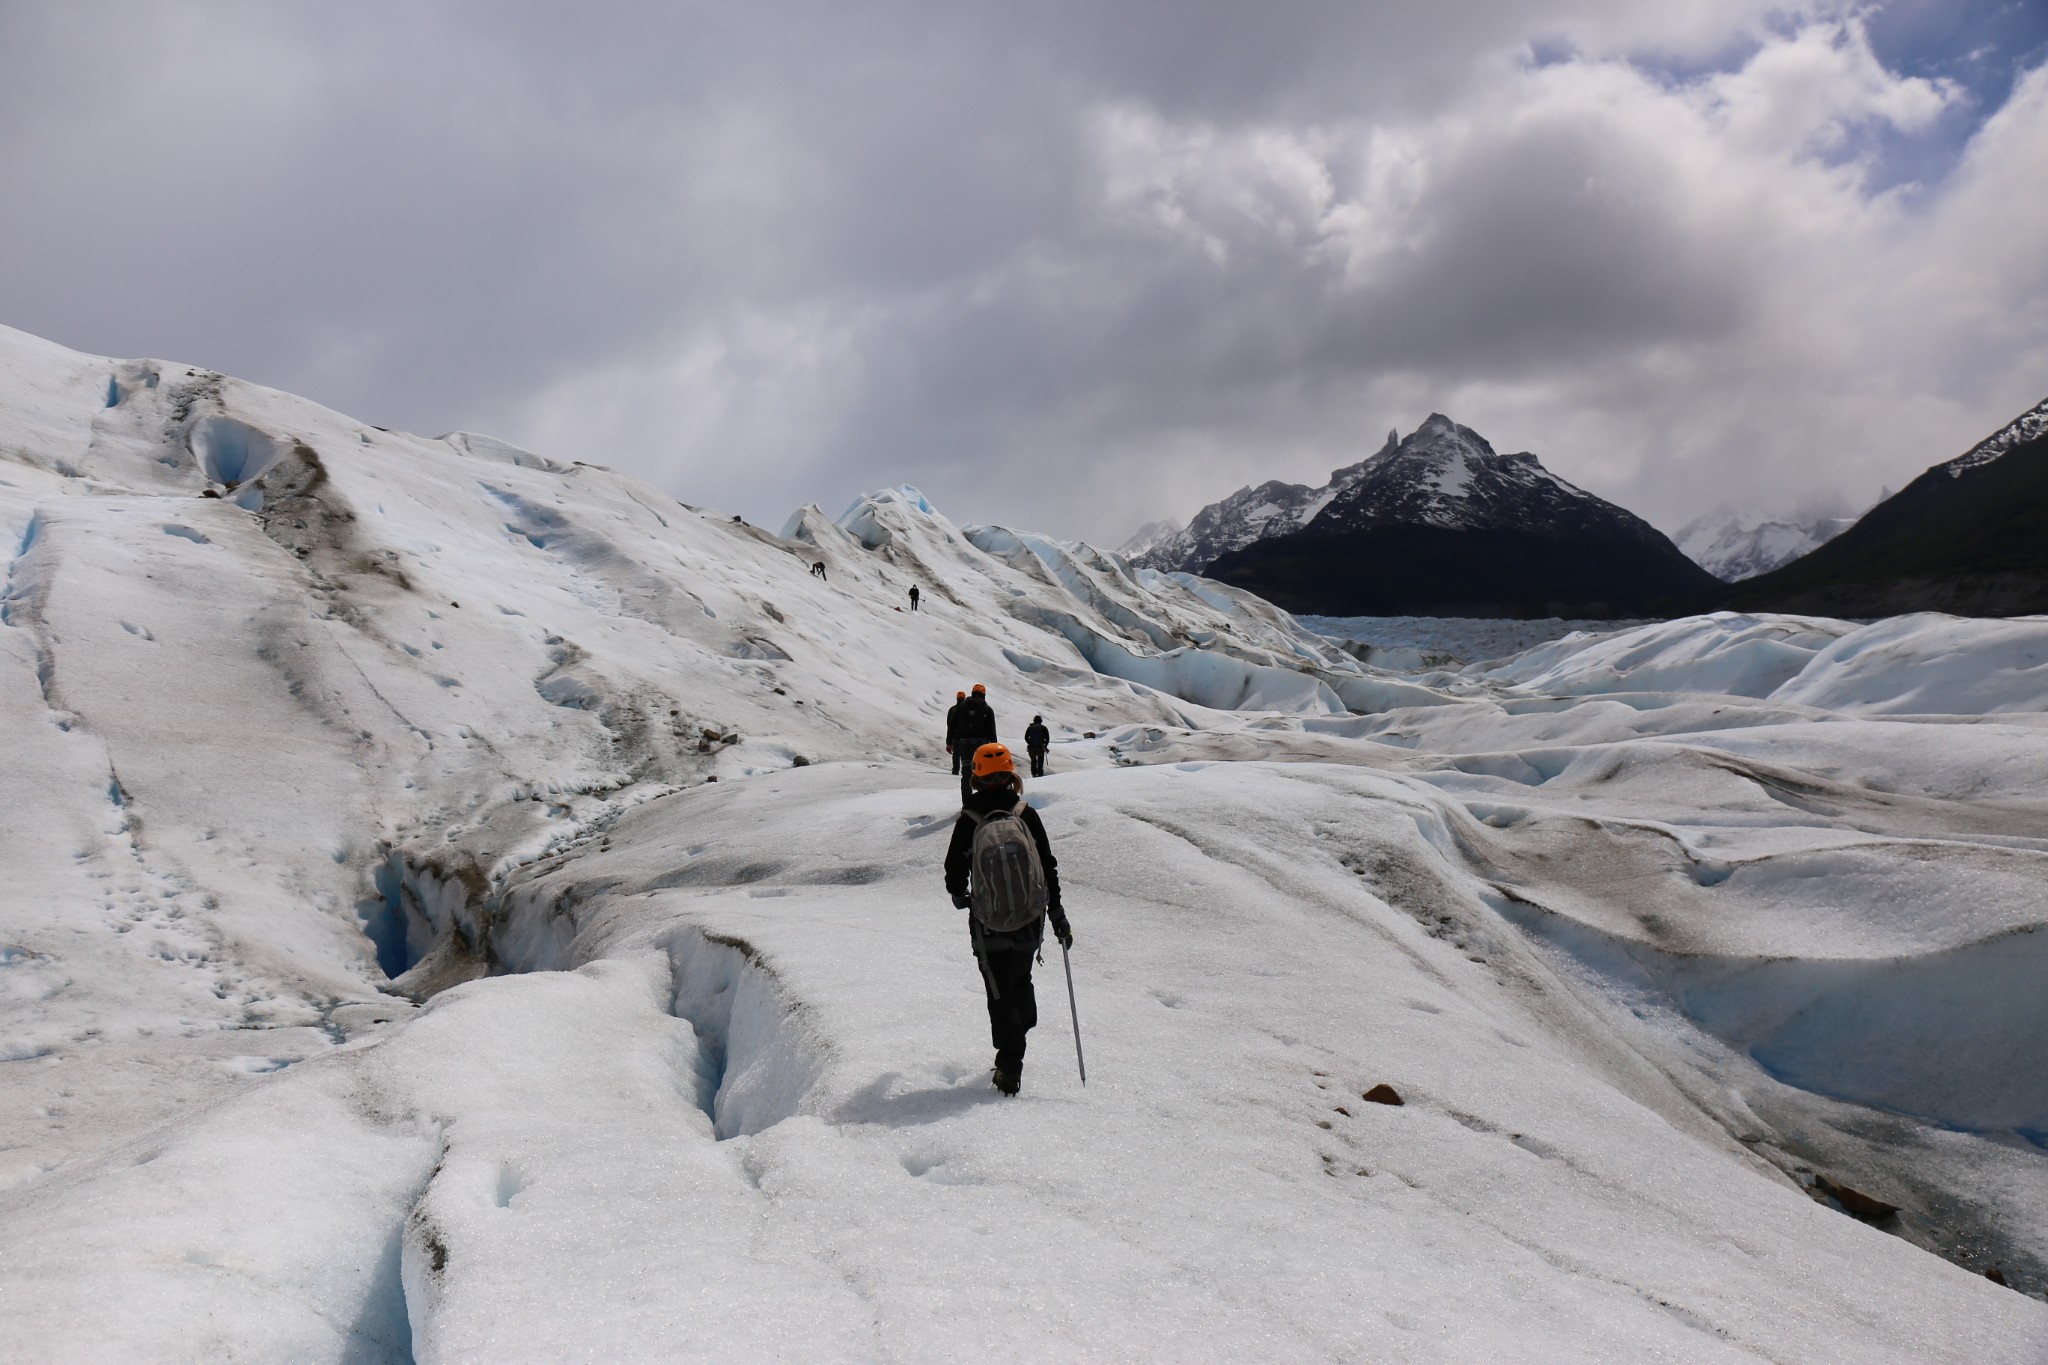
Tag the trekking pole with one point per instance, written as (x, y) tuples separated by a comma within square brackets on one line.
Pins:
[(1076, 1011)]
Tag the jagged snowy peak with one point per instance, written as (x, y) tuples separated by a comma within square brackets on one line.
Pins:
[(1146, 537), (1439, 524), (1446, 475), (1250, 514), (2028, 426), (1733, 546), (1442, 474), (1498, 535)]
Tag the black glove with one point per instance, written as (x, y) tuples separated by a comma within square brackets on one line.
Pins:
[(1062, 932), (961, 902)]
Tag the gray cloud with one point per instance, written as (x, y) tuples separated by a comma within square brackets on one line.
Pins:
[(1067, 266)]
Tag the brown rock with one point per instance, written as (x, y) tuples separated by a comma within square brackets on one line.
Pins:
[(1996, 1276), (1853, 1201), (1383, 1094)]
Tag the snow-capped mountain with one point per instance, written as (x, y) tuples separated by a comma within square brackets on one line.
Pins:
[(1735, 546), (1147, 537), (1271, 509), (464, 905), (1439, 524), (2028, 427), (1969, 535), (1446, 475)]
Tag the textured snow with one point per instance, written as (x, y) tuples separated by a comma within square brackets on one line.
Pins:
[(1735, 655), (1651, 927)]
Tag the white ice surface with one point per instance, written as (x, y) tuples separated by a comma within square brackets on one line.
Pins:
[(1651, 928)]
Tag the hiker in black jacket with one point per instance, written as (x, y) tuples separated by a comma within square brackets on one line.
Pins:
[(974, 726), (1037, 739), (1005, 958), (953, 730)]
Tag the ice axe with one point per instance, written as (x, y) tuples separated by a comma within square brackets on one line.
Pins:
[(1075, 1010)]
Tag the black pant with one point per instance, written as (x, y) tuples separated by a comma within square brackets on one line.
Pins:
[(1013, 1012), (956, 760), (1037, 762)]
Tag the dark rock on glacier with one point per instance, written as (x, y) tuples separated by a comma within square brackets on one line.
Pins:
[(1853, 1201)]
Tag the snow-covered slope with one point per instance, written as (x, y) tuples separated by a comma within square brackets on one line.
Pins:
[(1733, 547), (1655, 932), (2030, 425), (376, 649), (1146, 537)]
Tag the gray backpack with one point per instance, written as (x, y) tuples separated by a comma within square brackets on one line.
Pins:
[(1008, 880)]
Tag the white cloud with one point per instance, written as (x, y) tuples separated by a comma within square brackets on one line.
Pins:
[(1812, 92), (1070, 266)]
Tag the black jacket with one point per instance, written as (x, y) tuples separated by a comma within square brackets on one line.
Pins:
[(953, 720), (1036, 736), (972, 720), (987, 801)]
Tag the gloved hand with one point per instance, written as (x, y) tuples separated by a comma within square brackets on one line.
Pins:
[(1063, 932), (961, 902)]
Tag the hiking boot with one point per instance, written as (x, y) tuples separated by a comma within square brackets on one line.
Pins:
[(1006, 1081)]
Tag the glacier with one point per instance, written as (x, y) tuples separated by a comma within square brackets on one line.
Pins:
[(466, 905)]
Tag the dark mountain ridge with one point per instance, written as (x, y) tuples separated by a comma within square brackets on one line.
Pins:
[(1439, 524), (1968, 537), (1251, 513)]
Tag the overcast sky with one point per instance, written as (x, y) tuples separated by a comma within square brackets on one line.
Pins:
[(1069, 266)]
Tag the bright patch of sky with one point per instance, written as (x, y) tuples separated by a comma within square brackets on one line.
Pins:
[(1956, 63), (1979, 49)]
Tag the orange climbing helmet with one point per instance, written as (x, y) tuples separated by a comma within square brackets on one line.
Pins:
[(980, 691), (992, 759), (959, 696)]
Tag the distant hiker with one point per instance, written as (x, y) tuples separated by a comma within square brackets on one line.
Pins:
[(913, 597), (818, 569), (953, 731), (1037, 739), (1000, 869), (974, 726)]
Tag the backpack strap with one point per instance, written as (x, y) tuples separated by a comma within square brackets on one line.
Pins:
[(982, 817)]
